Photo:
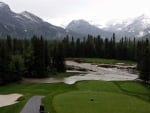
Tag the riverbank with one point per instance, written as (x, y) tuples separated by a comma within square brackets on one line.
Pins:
[(90, 72)]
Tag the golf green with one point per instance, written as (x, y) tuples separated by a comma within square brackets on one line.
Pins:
[(98, 102)]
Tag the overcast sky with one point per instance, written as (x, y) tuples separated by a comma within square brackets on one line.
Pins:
[(61, 12)]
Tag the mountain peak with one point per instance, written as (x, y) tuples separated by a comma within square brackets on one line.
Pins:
[(84, 28), (4, 7), (2, 4), (77, 24), (80, 21)]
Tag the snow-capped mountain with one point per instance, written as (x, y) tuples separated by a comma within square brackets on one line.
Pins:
[(137, 27), (83, 27), (26, 24)]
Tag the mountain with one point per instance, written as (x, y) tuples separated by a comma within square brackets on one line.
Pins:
[(26, 24), (136, 27), (84, 28)]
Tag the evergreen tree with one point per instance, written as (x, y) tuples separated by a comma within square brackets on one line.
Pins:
[(4, 62), (145, 62), (58, 60)]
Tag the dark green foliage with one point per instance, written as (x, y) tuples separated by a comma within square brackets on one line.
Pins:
[(38, 57), (144, 61), (58, 58), (16, 66), (4, 62), (42, 59), (39, 67), (9, 64), (29, 58), (125, 49), (9, 44)]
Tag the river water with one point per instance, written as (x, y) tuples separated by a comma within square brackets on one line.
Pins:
[(94, 72), (99, 73)]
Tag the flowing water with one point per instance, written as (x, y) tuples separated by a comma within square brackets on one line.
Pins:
[(94, 72)]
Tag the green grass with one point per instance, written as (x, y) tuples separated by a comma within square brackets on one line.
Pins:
[(104, 102), (105, 61), (109, 97), (29, 90), (98, 86)]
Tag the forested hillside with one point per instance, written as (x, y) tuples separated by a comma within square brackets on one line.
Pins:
[(29, 58), (37, 57)]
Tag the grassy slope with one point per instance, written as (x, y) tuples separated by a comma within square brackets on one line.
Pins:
[(104, 92), (105, 61), (30, 90)]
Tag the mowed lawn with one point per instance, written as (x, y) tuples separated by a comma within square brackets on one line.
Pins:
[(84, 97), (98, 102)]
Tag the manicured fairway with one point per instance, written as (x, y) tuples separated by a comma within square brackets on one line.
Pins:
[(104, 97), (98, 102), (83, 97)]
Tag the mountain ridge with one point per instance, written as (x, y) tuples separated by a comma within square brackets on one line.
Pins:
[(137, 27), (83, 27), (26, 24)]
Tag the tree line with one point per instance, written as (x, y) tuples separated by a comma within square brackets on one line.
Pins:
[(34, 58), (124, 49), (101, 48), (37, 57)]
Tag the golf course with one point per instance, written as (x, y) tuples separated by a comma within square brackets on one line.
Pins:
[(100, 90), (74, 56), (83, 97)]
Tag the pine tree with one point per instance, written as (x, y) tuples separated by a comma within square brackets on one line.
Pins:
[(58, 60), (4, 62), (145, 62)]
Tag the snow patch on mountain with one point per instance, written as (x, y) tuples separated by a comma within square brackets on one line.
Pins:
[(18, 16), (141, 33), (30, 17), (26, 24), (138, 26)]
